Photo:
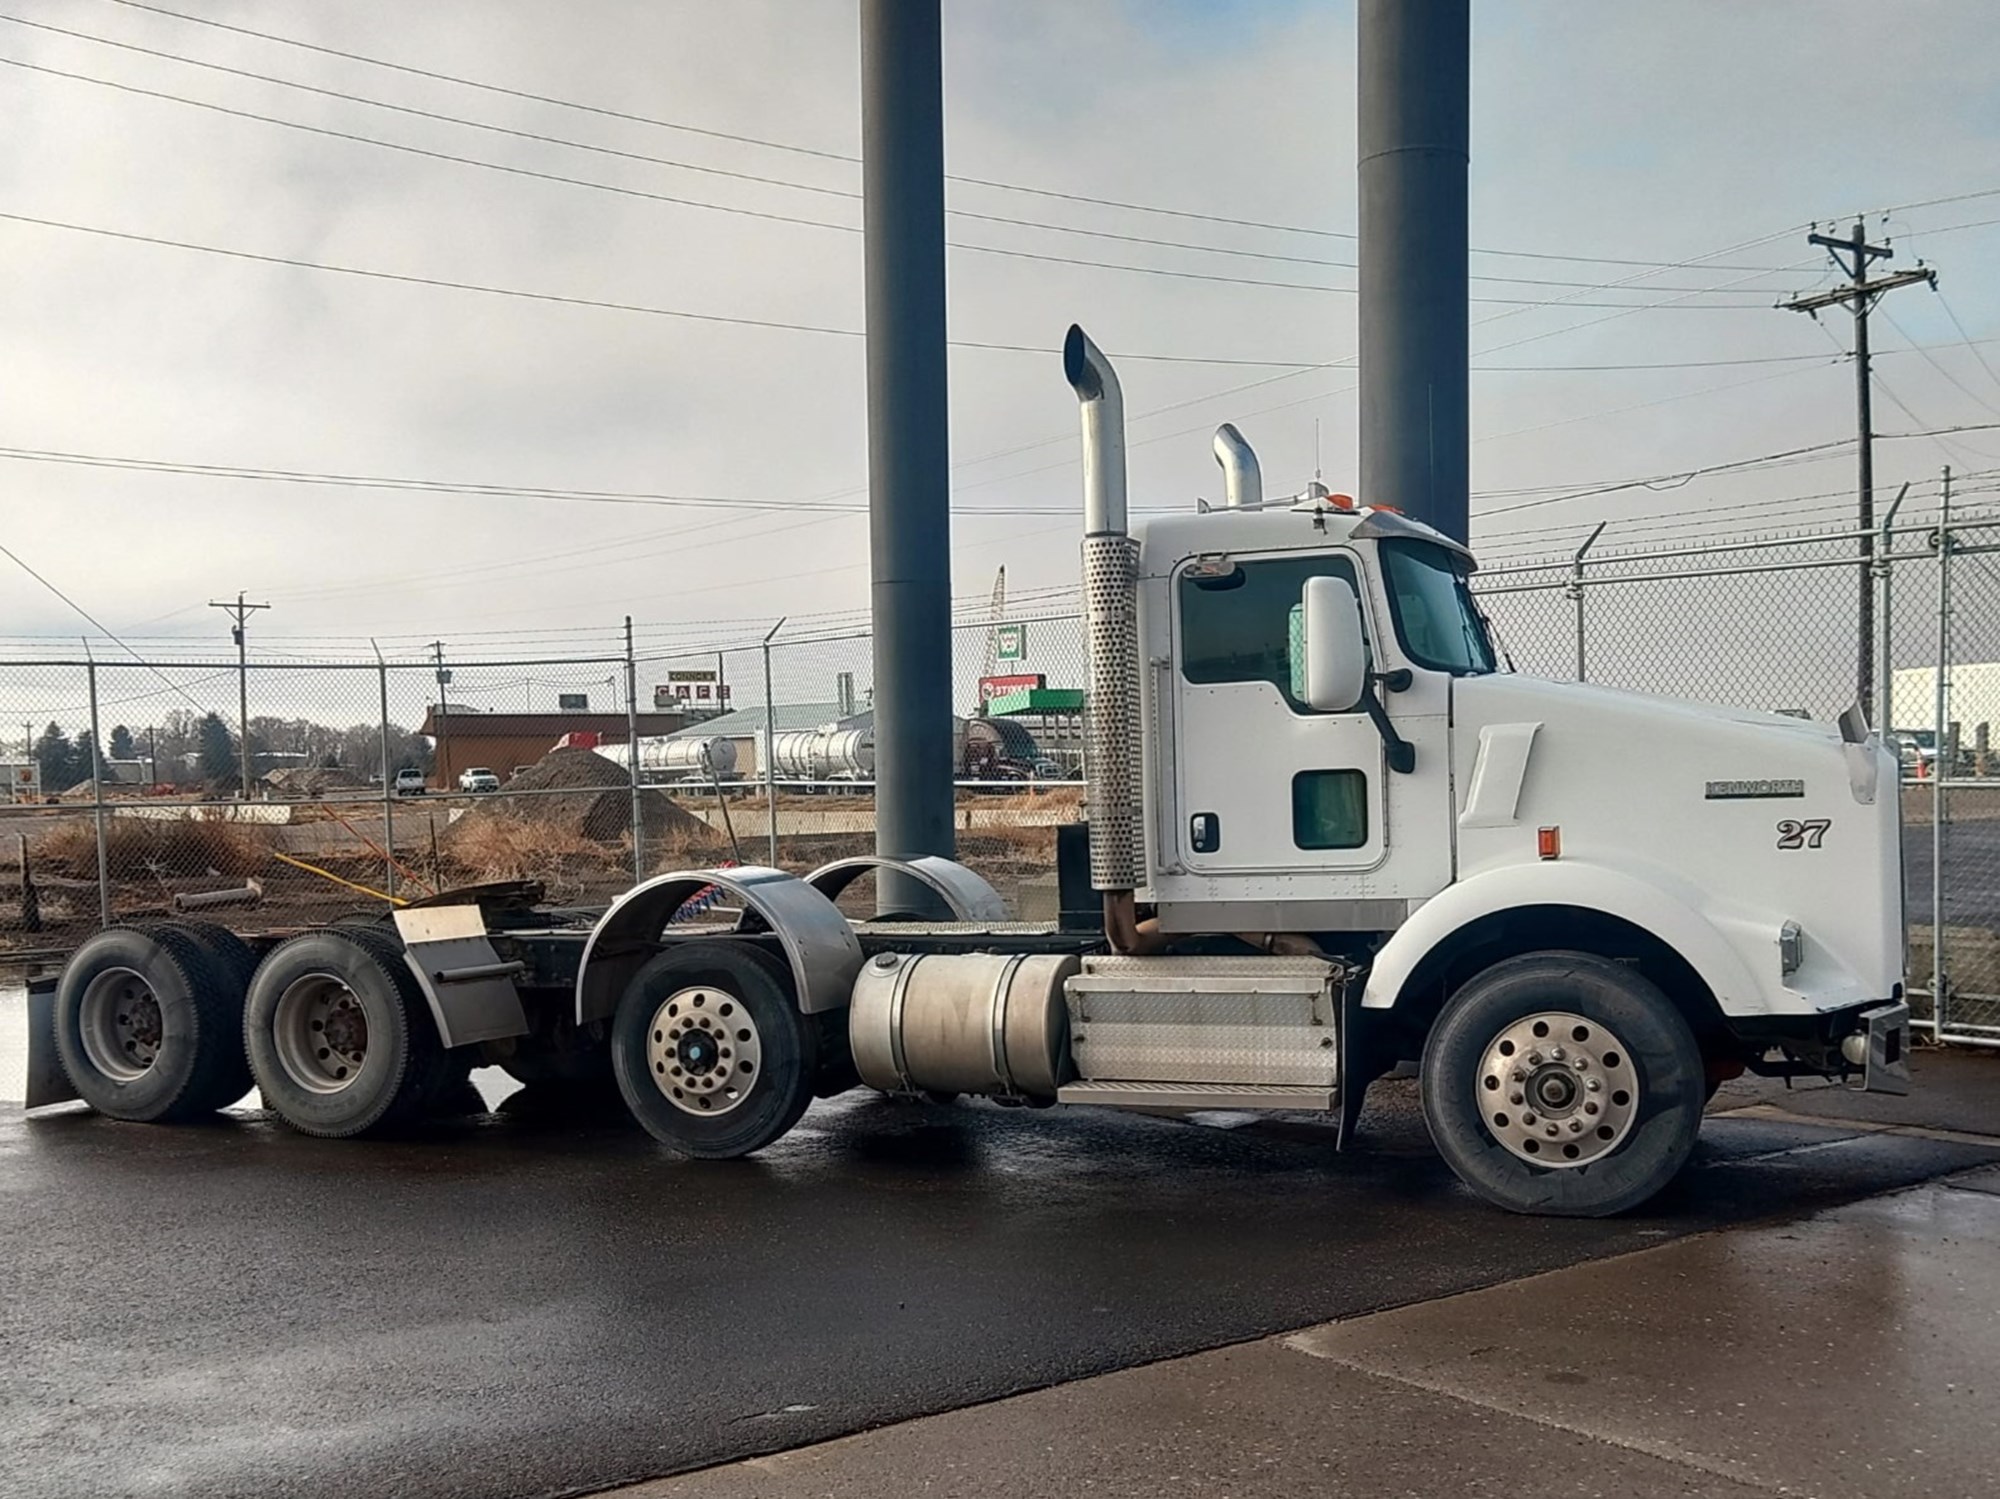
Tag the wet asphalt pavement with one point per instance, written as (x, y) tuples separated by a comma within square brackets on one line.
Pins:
[(522, 1305)]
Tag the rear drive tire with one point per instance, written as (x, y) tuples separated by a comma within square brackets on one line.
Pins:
[(340, 1037), (145, 1027), (1563, 1084), (710, 1051)]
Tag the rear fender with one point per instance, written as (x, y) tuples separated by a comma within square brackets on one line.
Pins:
[(818, 942), (966, 895)]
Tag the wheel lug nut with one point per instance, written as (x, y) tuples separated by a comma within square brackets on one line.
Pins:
[(1590, 1108), (1576, 1126), (1534, 1059), (1552, 1131), (1555, 1053), (1515, 1098), (1593, 1084), (1583, 1064), (1528, 1119)]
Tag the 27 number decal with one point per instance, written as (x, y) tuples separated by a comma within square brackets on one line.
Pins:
[(1808, 834)]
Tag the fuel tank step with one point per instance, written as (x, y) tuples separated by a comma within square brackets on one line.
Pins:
[(1196, 1095)]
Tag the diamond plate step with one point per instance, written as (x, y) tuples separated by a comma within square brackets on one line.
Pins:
[(1196, 1095)]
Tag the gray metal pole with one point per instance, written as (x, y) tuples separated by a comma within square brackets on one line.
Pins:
[(632, 755), (97, 803), (1884, 695), (1576, 591), (1865, 425), (1939, 769), (388, 783), (770, 754), (909, 478), (1414, 148)]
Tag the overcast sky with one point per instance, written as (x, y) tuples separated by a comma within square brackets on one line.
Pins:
[(1697, 140)]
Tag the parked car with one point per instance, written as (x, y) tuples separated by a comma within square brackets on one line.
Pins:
[(1917, 750), (410, 781), (478, 778)]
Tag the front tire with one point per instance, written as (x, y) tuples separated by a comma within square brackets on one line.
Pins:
[(710, 1051), (1563, 1084)]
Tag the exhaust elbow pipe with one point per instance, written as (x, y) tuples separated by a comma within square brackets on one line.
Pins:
[(1242, 478), (1111, 629), (1103, 408)]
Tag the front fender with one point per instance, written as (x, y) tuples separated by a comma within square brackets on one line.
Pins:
[(819, 943), (1596, 887)]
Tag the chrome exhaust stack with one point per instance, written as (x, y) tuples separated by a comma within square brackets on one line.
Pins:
[(1111, 628), (1242, 478)]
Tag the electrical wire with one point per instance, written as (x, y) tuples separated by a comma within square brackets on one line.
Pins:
[(21, 563), (763, 215), (847, 194), (627, 117)]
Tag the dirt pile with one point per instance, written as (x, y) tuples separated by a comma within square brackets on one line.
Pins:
[(597, 804)]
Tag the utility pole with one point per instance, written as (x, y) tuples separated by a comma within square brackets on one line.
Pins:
[(442, 768), (1859, 297), (240, 612)]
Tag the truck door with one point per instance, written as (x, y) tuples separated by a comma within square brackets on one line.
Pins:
[(1263, 784)]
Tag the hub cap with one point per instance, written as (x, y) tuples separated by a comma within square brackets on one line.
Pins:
[(1557, 1089), (704, 1051), (119, 1018), (320, 1033)]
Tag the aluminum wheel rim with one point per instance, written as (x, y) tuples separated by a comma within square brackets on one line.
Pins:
[(119, 1021), (703, 1051), (320, 1033), (1558, 1090)]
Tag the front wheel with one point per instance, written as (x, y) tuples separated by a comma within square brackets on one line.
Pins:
[(1564, 1084), (710, 1051)]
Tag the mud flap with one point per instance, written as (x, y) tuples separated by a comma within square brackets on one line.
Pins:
[(47, 1082), (1362, 1056)]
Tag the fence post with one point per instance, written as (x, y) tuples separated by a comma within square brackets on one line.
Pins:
[(1885, 700), (770, 755), (632, 755), (1939, 767), (388, 784), (97, 798), (1576, 590)]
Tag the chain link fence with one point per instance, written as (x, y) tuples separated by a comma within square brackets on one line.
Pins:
[(382, 781)]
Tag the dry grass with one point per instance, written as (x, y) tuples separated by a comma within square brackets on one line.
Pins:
[(136, 848)]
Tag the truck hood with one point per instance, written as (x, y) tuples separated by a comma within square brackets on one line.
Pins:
[(1755, 818)]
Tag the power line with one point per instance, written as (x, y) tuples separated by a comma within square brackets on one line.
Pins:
[(19, 562), (628, 117), (560, 299), (764, 215), (848, 194)]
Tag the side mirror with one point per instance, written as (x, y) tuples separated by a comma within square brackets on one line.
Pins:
[(1336, 661)]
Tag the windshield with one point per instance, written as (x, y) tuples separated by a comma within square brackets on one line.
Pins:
[(1436, 621)]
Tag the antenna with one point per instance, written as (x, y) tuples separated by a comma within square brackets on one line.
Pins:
[(1318, 472)]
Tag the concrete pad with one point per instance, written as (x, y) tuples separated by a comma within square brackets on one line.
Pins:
[(1255, 1420), (1855, 1353)]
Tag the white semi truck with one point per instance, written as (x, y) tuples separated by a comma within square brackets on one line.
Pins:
[(1327, 833)]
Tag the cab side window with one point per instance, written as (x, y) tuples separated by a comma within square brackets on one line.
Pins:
[(1237, 627)]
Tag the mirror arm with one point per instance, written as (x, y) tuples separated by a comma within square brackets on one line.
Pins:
[(1400, 753), (1396, 681)]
